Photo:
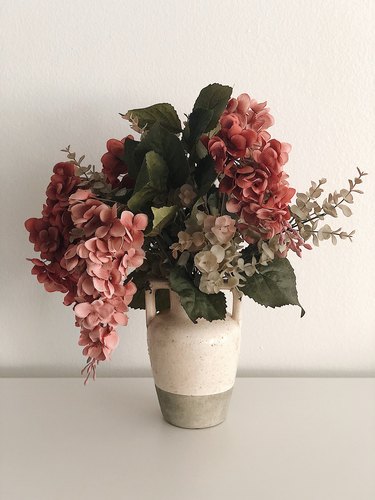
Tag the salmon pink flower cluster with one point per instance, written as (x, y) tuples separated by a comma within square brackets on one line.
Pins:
[(87, 249), (250, 166)]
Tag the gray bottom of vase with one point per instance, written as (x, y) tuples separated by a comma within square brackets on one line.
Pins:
[(194, 412)]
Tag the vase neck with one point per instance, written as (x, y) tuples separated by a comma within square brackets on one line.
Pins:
[(176, 307)]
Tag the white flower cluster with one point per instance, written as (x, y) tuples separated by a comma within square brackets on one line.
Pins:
[(216, 245)]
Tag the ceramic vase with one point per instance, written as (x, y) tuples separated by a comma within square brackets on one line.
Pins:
[(194, 365)]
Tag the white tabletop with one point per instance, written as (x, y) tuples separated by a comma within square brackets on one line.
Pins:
[(284, 439)]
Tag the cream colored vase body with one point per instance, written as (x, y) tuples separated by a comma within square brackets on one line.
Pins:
[(194, 365)]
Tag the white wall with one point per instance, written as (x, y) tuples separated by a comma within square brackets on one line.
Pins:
[(68, 67)]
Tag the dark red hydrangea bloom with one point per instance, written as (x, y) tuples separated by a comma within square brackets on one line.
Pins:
[(52, 276), (114, 165), (51, 231), (63, 182), (46, 238)]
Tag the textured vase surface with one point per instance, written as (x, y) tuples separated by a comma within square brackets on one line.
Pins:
[(194, 365)]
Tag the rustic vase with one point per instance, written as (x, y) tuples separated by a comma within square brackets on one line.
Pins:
[(194, 365)]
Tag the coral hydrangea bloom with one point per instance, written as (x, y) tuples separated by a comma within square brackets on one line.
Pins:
[(243, 127), (86, 249), (250, 166)]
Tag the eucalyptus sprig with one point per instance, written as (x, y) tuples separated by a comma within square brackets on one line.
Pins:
[(308, 211), (90, 178)]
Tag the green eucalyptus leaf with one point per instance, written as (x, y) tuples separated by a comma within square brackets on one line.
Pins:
[(274, 286), (205, 174), (168, 146), (196, 303), (162, 113), (162, 217)]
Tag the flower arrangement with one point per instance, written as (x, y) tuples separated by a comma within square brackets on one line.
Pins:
[(206, 206)]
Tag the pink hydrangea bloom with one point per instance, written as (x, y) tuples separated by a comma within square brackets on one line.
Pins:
[(98, 344), (87, 249)]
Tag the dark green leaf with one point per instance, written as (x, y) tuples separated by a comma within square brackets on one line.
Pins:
[(168, 146), (143, 198), (208, 107), (274, 286), (196, 303), (205, 174), (162, 113), (151, 181), (157, 170), (215, 97), (133, 166), (198, 124)]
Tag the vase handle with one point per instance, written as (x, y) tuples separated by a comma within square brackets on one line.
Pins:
[(236, 306), (150, 299), (159, 285)]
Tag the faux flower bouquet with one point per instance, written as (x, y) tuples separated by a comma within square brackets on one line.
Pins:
[(205, 205)]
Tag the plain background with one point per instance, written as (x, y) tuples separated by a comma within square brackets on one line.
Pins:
[(68, 68)]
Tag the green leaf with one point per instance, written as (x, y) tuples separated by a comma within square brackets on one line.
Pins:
[(198, 124), (274, 286), (151, 181), (162, 217), (215, 97), (162, 113), (157, 170), (168, 146), (208, 107), (205, 174), (196, 303), (129, 159)]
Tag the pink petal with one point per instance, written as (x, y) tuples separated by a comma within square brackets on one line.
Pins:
[(71, 264), (87, 286), (120, 318), (102, 246), (101, 231), (127, 218), (106, 214), (117, 229), (91, 244), (98, 284), (140, 222), (112, 340), (95, 351), (106, 311), (82, 310)]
